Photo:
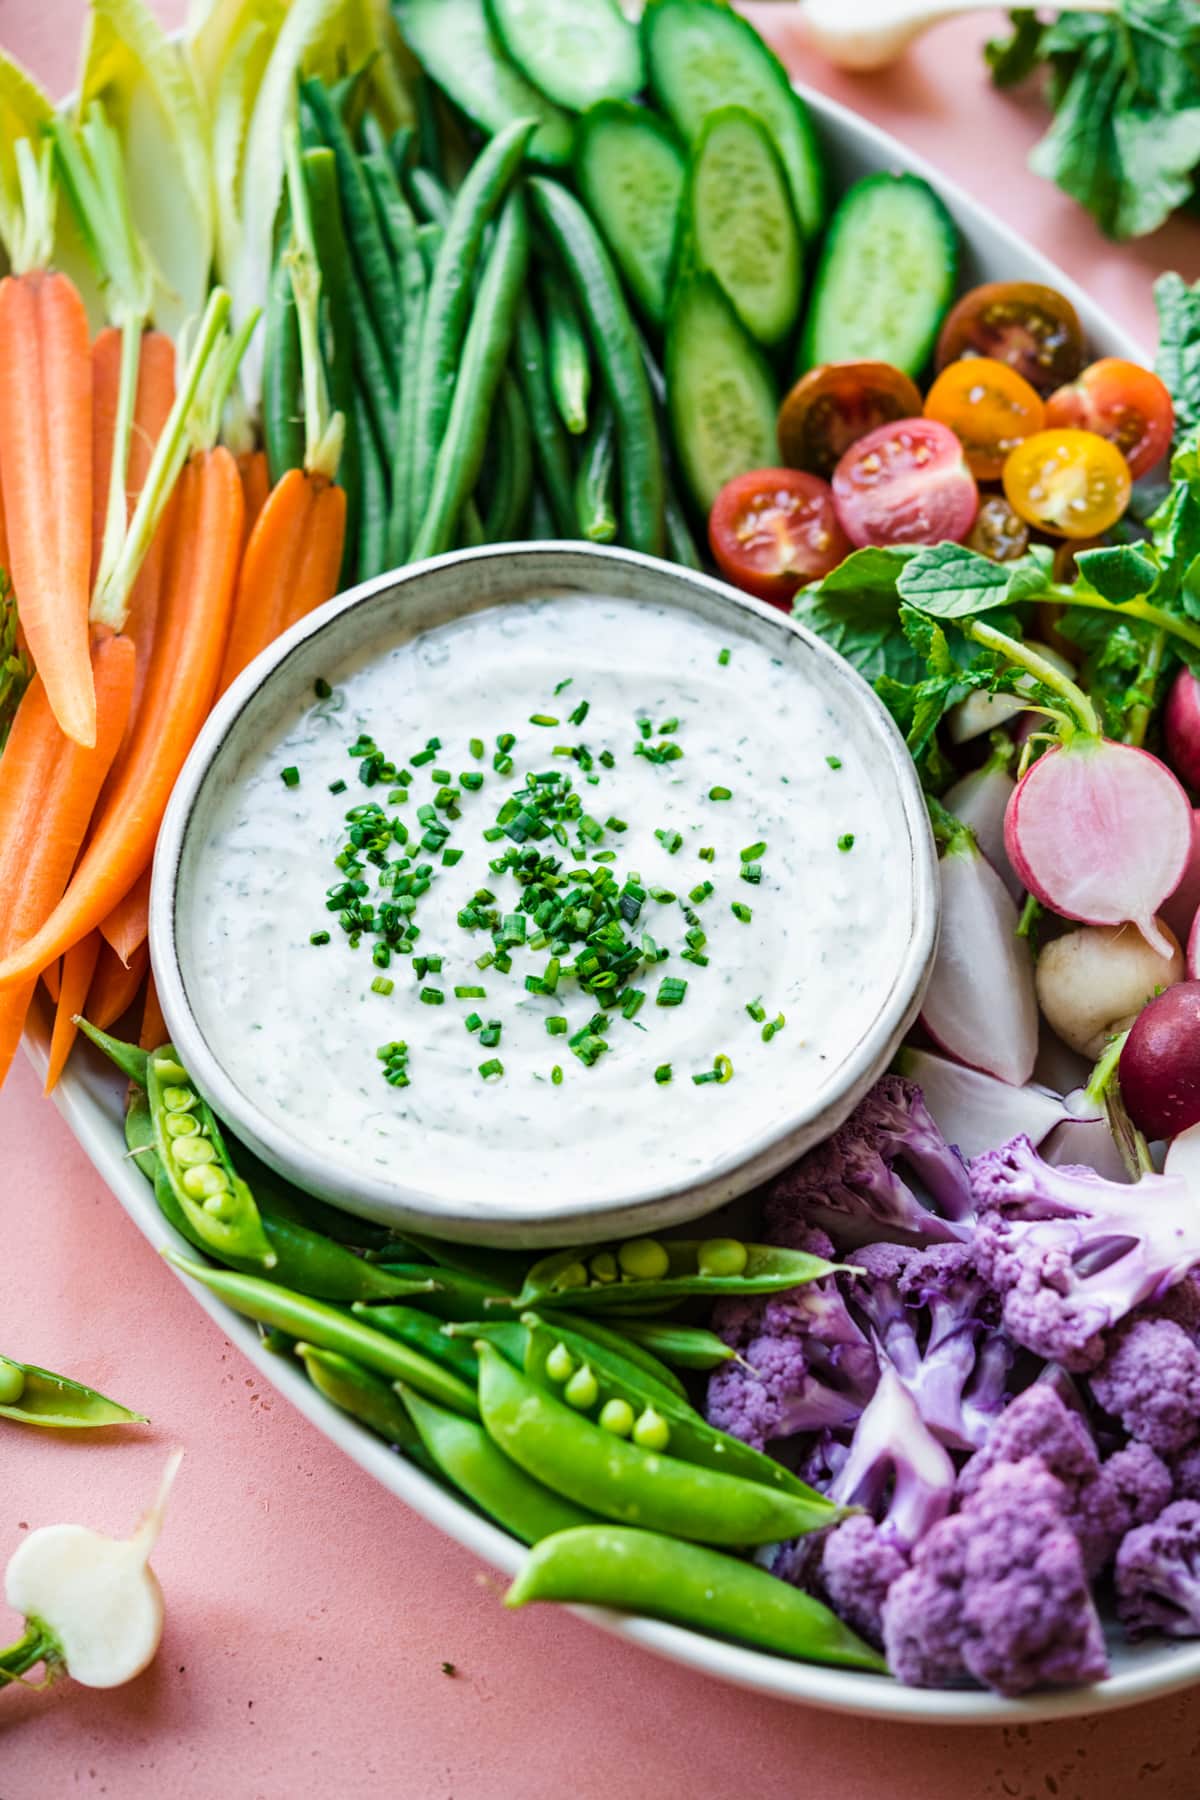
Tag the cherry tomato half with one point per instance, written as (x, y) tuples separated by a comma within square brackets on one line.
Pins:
[(834, 405), (989, 408), (1124, 403), (1070, 483), (1034, 329), (773, 530), (906, 483), (998, 532)]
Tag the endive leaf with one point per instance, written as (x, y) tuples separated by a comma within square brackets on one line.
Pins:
[(25, 111)]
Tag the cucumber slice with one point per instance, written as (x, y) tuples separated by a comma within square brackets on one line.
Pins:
[(742, 225), (886, 277), (721, 395), (631, 175), (575, 51), (460, 52), (702, 55)]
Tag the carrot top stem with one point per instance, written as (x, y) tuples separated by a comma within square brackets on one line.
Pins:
[(31, 241), (323, 430)]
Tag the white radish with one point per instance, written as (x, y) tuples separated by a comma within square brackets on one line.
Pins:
[(1092, 983), (980, 800), (980, 1005), (976, 1111), (982, 711), (1179, 909), (95, 1600), (1100, 832), (1088, 1142)]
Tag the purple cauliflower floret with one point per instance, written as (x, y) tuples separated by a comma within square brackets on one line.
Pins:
[(1150, 1381), (1103, 1499), (886, 1172), (999, 1592), (1185, 1472), (1158, 1574), (896, 1468), (859, 1565), (935, 1316), (804, 1363), (1072, 1254)]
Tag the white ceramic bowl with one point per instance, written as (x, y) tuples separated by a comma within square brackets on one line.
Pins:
[(90, 1098)]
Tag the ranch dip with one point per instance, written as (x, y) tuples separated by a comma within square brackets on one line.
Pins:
[(713, 809)]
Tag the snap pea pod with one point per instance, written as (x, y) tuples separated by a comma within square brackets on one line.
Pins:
[(329, 1328), (127, 1057), (358, 1392), (567, 348), (450, 291), (374, 501), (688, 1435), (33, 1396), (282, 415), (368, 249), (511, 466), (595, 479), (645, 1269), (467, 1457), (413, 1327), (549, 439), (502, 1270), (623, 1481), (510, 1338), (615, 341), (646, 1572), (139, 1134), (485, 353), (194, 1163), (456, 1294), (594, 1331), (337, 329), (687, 1346)]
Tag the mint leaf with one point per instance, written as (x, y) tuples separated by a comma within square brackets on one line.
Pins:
[(856, 611), (1118, 574)]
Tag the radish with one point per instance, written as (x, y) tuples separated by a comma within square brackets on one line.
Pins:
[(1179, 909), (976, 1111), (980, 1004), (1088, 1142), (1160, 1063), (1183, 1157), (980, 800), (1181, 724), (1093, 982), (92, 1604)]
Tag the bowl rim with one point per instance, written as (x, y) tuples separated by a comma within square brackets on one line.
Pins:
[(545, 566)]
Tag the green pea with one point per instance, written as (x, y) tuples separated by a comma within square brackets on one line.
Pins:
[(617, 1416), (722, 1256), (222, 1207), (191, 1152), (651, 1430), (180, 1125), (204, 1181), (643, 1259), (177, 1099), (604, 1266), (560, 1364), (582, 1390), (573, 1276), (174, 1074), (12, 1382)]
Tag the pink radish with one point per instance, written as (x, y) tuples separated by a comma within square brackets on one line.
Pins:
[(980, 1005), (980, 800), (1100, 832), (1180, 908), (974, 1110), (1193, 950), (1181, 723), (1160, 1064)]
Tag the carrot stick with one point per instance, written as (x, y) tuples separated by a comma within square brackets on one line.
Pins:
[(78, 967), (48, 792), (127, 924), (153, 1034), (291, 565), (198, 584), (46, 474), (256, 485), (114, 985)]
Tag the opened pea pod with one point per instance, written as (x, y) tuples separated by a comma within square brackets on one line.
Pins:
[(649, 1271), (213, 1198), (33, 1396)]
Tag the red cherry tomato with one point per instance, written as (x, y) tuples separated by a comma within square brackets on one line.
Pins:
[(906, 483), (834, 405), (1034, 329), (1122, 402), (773, 530)]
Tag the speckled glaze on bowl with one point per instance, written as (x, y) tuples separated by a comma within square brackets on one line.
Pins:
[(415, 602)]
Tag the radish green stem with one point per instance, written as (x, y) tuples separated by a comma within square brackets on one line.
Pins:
[(1141, 714), (1031, 912), (1083, 713), (950, 834), (1169, 622), (37, 1645), (1102, 1075)]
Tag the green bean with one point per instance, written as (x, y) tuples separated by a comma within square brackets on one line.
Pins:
[(400, 150), (467, 1457), (646, 1572), (626, 1347), (449, 300), (404, 235), (614, 339), (687, 1346), (366, 238), (557, 1446), (511, 466), (429, 242), (33, 1396), (567, 350), (542, 523), (681, 545), (485, 352), (358, 1392), (196, 1167), (423, 1333), (128, 1058), (283, 424), (549, 439), (457, 1294), (429, 138), (395, 215), (470, 534), (429, 196), (377, 386), (338, 351), (374, 503), (329, 1328), (595, 479), (673, 1268)]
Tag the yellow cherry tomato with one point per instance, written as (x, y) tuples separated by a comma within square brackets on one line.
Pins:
[(989, 407), (1073, 484)]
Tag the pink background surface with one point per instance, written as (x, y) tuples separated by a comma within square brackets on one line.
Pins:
[(308, 1614)]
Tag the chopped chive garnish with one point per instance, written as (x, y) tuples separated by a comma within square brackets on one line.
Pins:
[(751, 872), (473, 1022), (493, 1066), (476, 748), (491, 1037), (614, 824), (846, 841), (319, 937), (470, 993), (719, 793), (708, 854), (542, 719), (431, 996), (835, 762), (472, 780), (580, 713), (382, 985), (700, 892), (556, 1025), (670, 840), (556, 1075), (753, 852), (450, 858), (757, 1011), (290, 776), (396, 797), (443, 777), (632, 1001), (667, 727), (671, 991), (662, 1074), (561, 686), (421, 758), (339, 787), (321, 688), (723, 658), (741, 911), (772, 1026)]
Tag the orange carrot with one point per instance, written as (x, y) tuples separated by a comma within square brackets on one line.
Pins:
[(256, 485), (291, 565), (115, 985), (46, 474), (78, 967), (127, 924), (153, 1034), (47, 795), (52, 979), (197, 593)]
